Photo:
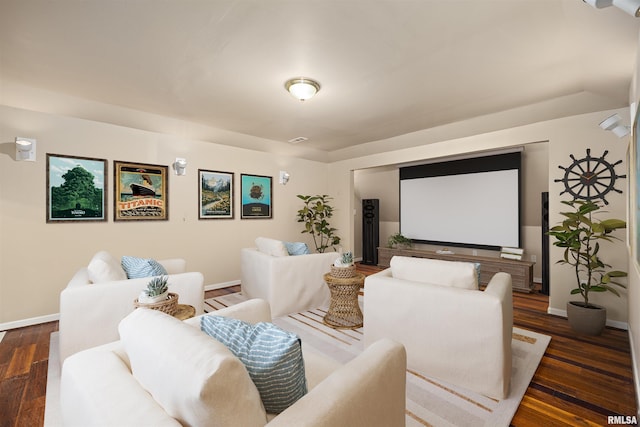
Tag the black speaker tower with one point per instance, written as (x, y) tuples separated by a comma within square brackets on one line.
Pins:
[(370, 230), (545, 243)]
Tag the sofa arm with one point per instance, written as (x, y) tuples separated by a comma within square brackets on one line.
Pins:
[(369, 391), (89, 315)]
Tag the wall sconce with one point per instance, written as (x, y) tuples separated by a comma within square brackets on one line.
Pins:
[(25, 149), (180, 166), (632, 7), (612, 123), (284, 177)]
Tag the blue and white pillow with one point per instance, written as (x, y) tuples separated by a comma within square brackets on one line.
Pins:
[(272, 356), (297, 248), (142, 267)]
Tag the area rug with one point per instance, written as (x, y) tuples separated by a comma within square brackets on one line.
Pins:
[(430, 402)]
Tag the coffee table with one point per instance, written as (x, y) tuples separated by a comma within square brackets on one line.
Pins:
[(344, 310)]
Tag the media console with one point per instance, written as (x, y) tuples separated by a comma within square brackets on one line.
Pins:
[(521, 271)]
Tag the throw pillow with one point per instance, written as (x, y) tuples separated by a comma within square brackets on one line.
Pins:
[(271, 247), (105, 268), (297, 248), (272, 356), (195, 379), (142, 267), (438, 272)]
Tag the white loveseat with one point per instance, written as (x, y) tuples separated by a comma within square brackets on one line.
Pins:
[(290, 283), (451, 330), (90, 312), (192, 379)]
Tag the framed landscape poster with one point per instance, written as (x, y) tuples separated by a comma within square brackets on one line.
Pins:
[(256, 196), (141, 192), (215, 194), (76, 188)]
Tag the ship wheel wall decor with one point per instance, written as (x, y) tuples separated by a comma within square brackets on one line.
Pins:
[(590, 177)]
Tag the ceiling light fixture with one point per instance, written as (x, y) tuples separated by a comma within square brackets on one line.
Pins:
[(302, 88), (632, 7)]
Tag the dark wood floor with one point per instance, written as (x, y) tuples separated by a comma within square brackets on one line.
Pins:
[(580, 381)]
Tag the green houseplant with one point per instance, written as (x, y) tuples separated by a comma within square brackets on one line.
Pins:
[(315, 215), (398, 240), (580, 234)]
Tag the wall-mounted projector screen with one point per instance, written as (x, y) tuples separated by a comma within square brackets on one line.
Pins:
[(470, 202)]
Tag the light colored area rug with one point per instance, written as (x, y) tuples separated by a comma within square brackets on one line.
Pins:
[(429, 402)]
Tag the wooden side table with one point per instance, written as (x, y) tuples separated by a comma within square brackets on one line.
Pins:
[(344, 310), (184, 312)]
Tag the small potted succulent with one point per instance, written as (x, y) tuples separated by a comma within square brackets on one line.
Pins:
[(343, 266), (157, 296)]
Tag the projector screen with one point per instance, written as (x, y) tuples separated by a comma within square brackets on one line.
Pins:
[(470, 203)]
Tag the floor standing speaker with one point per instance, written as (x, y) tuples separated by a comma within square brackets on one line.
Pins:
[(545, 243), (370, 230)]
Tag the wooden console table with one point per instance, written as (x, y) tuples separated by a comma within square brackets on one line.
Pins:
[(521, 271)]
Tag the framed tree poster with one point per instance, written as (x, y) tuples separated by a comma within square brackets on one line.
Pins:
[(215, 195), (141, 192), (256, 196), (76, 188)]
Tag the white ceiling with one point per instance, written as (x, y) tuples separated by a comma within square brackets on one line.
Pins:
[(387, 68)]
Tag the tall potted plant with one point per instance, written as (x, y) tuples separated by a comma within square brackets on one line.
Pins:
[(580, 234), (315, 215)]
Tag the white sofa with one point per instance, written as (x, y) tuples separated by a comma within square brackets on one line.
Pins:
[(290, 283), (90, 312), (451, 330), (99, 388)]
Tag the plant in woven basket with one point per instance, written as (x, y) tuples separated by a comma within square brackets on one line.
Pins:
[(346, 259), (157, 290)]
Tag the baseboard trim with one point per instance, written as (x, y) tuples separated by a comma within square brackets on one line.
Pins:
[(613, 323), (215, 286), (29, 322)]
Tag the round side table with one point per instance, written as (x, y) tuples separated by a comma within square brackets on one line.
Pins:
[(185, 311), (344, 310)]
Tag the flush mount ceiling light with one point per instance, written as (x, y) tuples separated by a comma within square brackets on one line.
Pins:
[(632, 7), (302, 88)]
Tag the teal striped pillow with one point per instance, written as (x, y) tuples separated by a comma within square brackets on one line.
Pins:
[(272, 356), (141, 267)]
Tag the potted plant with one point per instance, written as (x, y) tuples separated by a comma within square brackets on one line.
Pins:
[(157, 296), (580, 234), (314, 215), (398, 240), (343, 266)]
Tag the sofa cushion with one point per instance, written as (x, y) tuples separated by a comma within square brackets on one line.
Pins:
[(434, 271), (297, 248), (271, 247), (105, 268), (272, 356), (142, 267), (197, 380)]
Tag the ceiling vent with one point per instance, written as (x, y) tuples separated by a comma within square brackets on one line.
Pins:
[(298, 140)]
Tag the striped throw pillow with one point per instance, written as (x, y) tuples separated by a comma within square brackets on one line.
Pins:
[(141, 267), (272, 356)]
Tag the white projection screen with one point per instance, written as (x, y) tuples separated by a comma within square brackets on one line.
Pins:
[(465, 203)]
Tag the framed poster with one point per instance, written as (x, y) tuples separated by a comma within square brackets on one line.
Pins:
[(215, 194), (256, 196), (76, 188), (141, 192)]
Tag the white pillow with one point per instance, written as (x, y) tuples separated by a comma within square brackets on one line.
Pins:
[(105, 268), (196, 379), (438, 272), (271, 246)]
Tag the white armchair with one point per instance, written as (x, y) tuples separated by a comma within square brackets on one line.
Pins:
[(90, 312), (289, 283), (451, 330)]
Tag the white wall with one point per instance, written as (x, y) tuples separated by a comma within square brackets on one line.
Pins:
[(37, 259), (565, 136)]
